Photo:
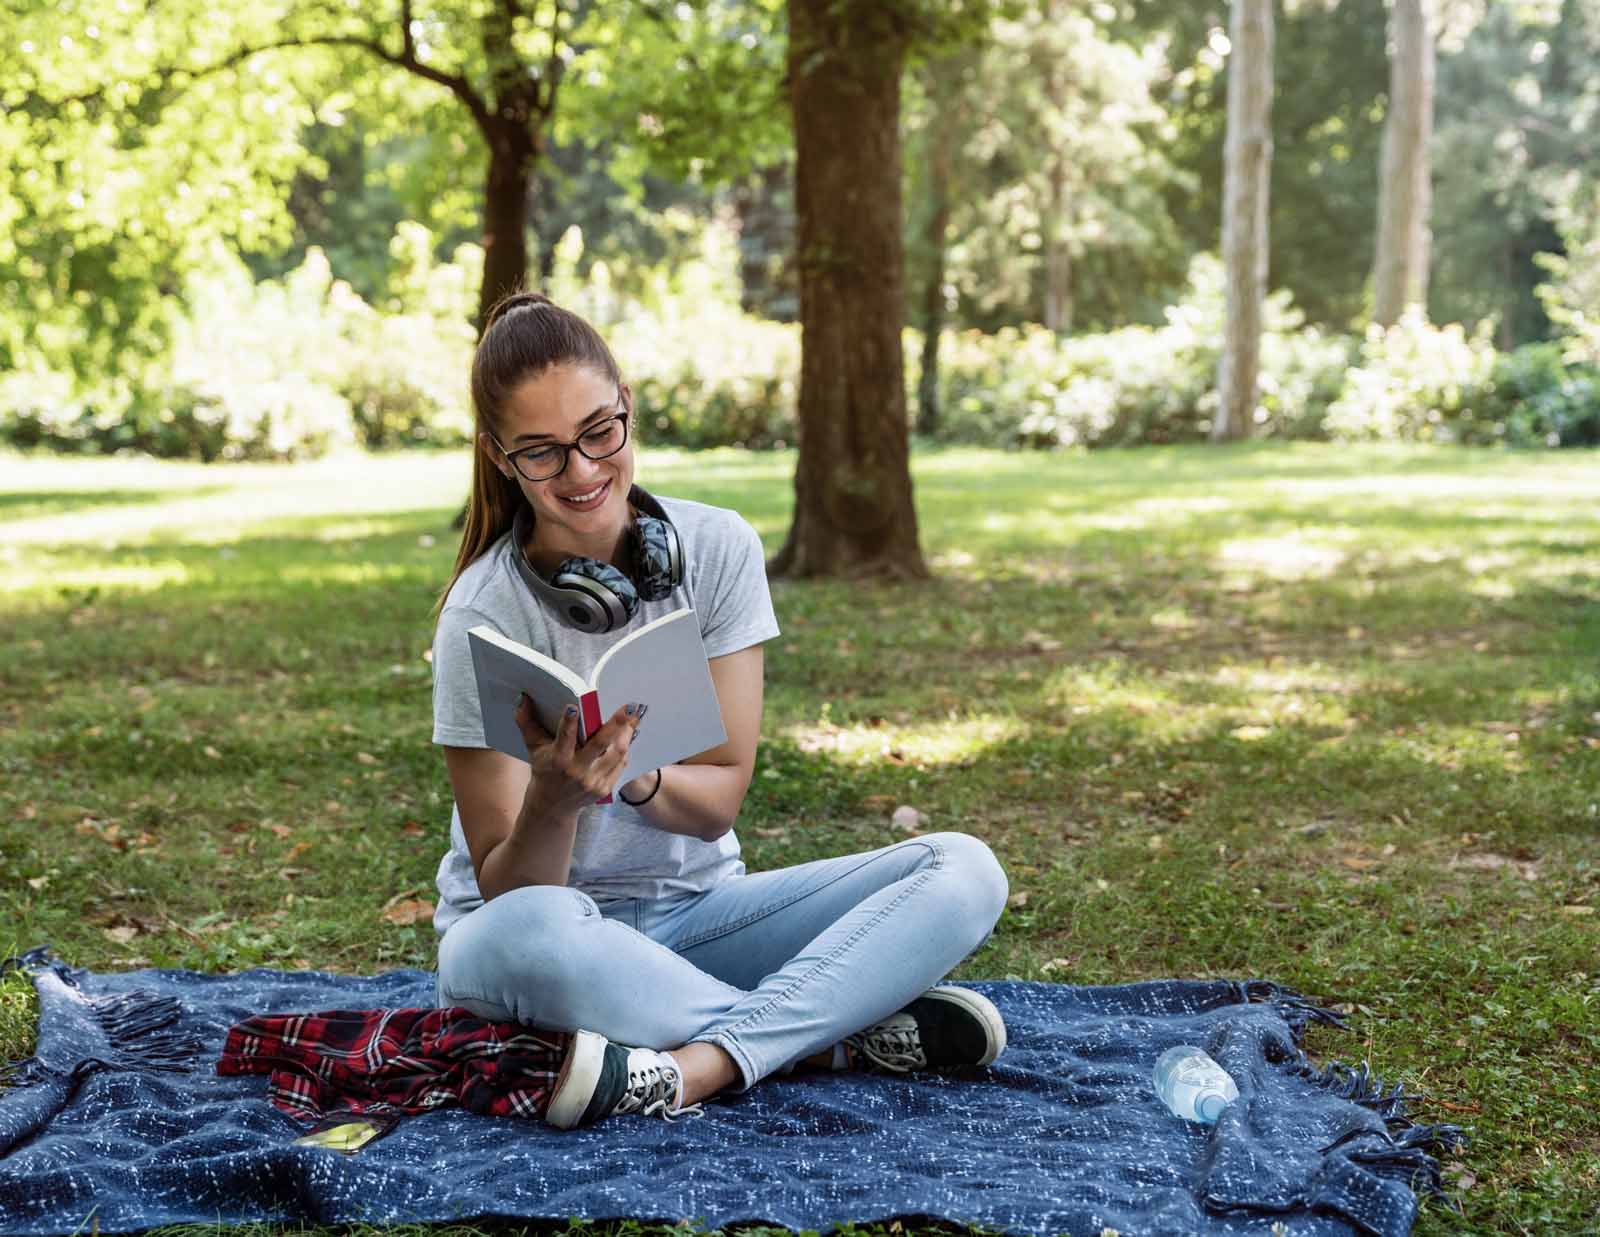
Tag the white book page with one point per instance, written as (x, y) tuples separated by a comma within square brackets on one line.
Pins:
[(504, 670), (664, 666)]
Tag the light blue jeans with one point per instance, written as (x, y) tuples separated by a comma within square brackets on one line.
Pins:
[(770, 966)]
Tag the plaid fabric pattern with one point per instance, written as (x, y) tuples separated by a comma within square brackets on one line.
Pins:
[(389, 1061)]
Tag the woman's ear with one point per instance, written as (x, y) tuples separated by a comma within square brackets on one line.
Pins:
[(491, 450)]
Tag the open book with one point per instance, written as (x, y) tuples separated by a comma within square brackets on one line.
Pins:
[(662, 665)]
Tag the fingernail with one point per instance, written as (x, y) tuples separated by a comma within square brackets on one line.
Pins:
[(522, 700), (572, 710), (628, 709)]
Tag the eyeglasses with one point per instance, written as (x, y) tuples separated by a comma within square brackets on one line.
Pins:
[(546, 460)]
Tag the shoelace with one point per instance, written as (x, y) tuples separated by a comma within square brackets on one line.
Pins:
[(890, 1047), (651, 1090)]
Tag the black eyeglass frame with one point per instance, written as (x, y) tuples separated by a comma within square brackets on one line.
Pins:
[(566, 448)]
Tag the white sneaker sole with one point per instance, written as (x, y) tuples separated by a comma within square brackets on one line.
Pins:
[(576, 1082), (980, 1007)]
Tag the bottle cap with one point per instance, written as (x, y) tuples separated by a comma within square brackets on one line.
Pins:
[(1208, 1107)]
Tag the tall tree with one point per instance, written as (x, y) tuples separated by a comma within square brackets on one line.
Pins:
[(1400, 269), (1247, 168), (854, 513), (935, 150)]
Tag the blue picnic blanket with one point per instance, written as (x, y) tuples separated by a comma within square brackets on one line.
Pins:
[(121, 1121)]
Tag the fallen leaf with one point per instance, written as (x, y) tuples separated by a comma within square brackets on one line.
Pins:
[(1018, 900), (412, 829), (907, 819), (1156, 841), (1577, 910), (412, 910), (212, 752), (296, 850), (1359, 864), (29, 811), (366, 758), (781, 834), (1055, 964), (1040, 642), (38, 882), (281, 831), (1460, 1175), (121, 935)]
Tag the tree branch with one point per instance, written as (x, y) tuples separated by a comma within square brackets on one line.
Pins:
[(408, 44)]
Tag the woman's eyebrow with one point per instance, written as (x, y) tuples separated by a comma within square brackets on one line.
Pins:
[(597, 413)]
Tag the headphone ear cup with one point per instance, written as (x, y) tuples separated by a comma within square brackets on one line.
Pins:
[(659, 556), (595, 596)]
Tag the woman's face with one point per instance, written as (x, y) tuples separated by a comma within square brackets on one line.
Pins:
[(584, 508)]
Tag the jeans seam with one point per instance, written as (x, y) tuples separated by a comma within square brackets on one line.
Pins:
[(774, 908), (756, 1015)]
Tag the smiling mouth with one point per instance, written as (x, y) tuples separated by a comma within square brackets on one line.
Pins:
[(589, 499)]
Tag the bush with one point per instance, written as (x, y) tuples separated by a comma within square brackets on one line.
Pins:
[(1414, 382), (1139, 384), (1535, 398)]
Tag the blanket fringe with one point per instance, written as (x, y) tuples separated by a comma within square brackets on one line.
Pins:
[(139, 1028), (1297, 1010), (1411, 1151)]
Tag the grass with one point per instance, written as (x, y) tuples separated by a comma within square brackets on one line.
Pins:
[(1325, 715)]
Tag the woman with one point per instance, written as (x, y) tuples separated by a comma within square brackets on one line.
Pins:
[(634, 923)]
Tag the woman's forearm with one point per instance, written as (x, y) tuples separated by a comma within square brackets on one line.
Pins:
[(701, 801), (537, 851)]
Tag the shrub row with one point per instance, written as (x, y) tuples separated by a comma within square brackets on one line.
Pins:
[(302, 366)]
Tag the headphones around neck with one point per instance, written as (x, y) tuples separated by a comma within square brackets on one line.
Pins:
[(596, 597)]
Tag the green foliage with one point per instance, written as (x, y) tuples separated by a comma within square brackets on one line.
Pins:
[(1537, 398), (1412, 381), (1138, 384), (1417, 382), (277, 370)]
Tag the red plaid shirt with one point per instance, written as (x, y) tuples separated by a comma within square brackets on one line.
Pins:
[(387, 1061)]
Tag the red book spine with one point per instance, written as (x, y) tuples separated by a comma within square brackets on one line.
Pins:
[(589, 703)]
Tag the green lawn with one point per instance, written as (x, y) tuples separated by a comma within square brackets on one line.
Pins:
[(1329, 716)]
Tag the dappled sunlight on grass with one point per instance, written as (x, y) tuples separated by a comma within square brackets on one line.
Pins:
[(924, 742), (129, 577), (1293, 556), (1282, 710)]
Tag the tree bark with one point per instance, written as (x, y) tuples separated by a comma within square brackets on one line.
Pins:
[(1247, 167), (1400, 268), (505, 215), (854, 514), (1058, 307)]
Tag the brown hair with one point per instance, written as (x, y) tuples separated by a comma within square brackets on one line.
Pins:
[(524, 335)]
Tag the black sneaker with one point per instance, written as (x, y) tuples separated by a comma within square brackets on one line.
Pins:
[(600, 1079), (944, 1027)]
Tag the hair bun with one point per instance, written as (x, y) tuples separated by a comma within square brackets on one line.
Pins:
[(513, 301)]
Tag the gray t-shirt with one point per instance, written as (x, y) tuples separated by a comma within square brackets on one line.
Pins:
[(617, 854)]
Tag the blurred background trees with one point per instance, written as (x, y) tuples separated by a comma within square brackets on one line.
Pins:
[(268, 229)]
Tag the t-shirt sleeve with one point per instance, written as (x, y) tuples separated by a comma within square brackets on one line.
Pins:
[(457, 719), (739, 610)]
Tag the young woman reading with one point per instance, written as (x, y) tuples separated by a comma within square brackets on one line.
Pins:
[(634, 923)]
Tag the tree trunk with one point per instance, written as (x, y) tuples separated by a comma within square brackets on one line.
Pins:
[(1058, 307), (505, 214), (854, 514), (1247, 167), (943, 78), (932, 328), (1400, 269)]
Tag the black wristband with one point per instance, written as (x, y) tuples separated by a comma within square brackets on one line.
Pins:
[(646, 799)]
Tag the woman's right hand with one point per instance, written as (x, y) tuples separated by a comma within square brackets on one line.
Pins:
[(567, 777)]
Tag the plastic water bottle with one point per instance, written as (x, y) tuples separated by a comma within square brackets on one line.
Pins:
[(1192, 1085)]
